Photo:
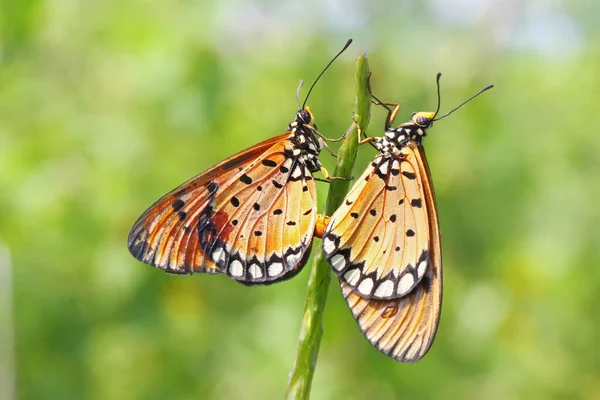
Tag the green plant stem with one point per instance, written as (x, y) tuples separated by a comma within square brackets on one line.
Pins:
[(320, 275)]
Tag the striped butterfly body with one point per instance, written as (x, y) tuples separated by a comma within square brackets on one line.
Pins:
[(383, 242), (252, 216)]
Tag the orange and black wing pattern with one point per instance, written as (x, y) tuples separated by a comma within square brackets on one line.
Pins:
[(404, 328), (252, 216), (378, 240), (384, 241), (384, 244)]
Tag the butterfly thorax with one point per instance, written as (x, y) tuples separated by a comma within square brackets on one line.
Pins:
[(303, 136), (396, 138)]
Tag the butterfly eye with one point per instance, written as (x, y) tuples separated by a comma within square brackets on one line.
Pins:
[(305, 116), (423, 121)]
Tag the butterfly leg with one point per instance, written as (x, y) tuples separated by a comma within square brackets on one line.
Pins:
[(332, 140), (330, 178), (324, 145), (321, 180), (392, 112), (351, 127), (360, 132)]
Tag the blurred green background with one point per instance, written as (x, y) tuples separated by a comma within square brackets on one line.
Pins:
[(105, 106)]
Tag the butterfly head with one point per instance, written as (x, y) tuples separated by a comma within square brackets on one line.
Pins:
[(423, 119), (415, 130), (303, 119)]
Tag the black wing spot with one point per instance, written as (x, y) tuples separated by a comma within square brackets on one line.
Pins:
[(395, 171), (401, 202), (348, 202), (391, 188), (178, 204), (212, 187), (284, 169), (234, 222), (305, 188), (307, 212), (426, 282), (269, 163), (246, 179), (393, 217), (257, 233), (277, 184), (373, 212), (409, 175), (182, 215), (354, 215), (288, 153), (410, 233), (290, 223), (259, 188), (279, 211), (397, 248), (376, 238), (237, 161), (256, 206), (235, 202), (416, 203)]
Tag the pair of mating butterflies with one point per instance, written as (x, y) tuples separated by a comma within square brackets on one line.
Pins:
[(253, 217)]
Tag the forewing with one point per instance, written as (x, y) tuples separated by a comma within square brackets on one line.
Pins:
[(260, 228), (378, 240), (167, 234), (404, 328)]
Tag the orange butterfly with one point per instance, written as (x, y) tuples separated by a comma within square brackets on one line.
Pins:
[(384, 241), (252, 216)]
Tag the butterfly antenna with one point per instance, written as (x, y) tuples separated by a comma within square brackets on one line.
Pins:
[(325, 69), (298, 93), (488, 87), (437, 82)]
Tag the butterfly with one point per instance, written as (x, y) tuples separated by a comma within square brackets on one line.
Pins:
[(251, 216), (383, 242)]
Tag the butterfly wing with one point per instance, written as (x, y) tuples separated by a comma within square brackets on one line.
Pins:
[(210, 223), (404, 328), (378, 240), (260, 229)]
